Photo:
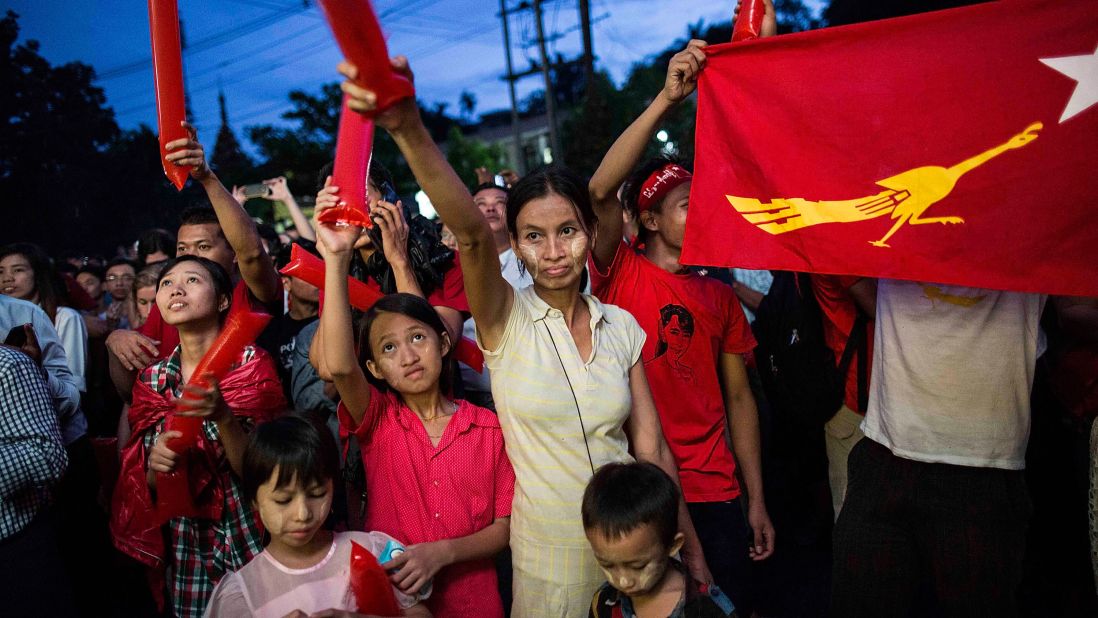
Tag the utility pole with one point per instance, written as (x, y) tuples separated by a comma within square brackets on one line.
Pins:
[(550, 97), (519, 160), (588, 52)]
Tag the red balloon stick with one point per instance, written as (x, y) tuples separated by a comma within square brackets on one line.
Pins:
[(749, 23), (168, 76), (354, 145)]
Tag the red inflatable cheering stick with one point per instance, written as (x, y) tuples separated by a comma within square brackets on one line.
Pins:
[(370, 584), (354, 146), (168, 76), (310, 269), (750, 20), (358, 33), (173, 490)]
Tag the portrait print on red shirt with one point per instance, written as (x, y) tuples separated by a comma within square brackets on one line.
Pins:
[(676, 330)]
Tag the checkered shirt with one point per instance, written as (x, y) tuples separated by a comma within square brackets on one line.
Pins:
[(203, 551), (32, 456)]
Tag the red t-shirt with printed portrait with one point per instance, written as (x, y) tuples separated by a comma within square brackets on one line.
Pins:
[(689, 320)]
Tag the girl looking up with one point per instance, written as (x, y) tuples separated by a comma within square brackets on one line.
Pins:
[(566, 372), (193, 295), (437, 476)]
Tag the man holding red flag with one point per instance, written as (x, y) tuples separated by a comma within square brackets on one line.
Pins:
[(697, 335), (937, 501)]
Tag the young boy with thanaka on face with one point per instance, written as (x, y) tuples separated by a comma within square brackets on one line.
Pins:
[(630, 516)]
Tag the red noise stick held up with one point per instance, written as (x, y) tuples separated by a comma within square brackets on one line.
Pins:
[(749, 23), (354, 145), (173, 490), (168, 76), (370, 584), (359, 35)]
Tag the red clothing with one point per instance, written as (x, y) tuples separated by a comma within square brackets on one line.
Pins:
[(155, 328), (251, 390), (450, 294), (690, 321), (418, 493), (839, 313)]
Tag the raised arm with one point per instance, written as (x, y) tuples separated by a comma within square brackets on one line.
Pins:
[(623, 156), (255, 266), (648, 444), (280, 192), (338, 347), (490, 296)]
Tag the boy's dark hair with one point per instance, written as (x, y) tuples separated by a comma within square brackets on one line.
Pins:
[(548, 180), (622, 497), (630, 190), (297, 448), (223, 284), (416, 308), (200, 215), (152, 241)]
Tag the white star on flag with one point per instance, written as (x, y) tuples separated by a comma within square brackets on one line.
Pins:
[(1084, 70)]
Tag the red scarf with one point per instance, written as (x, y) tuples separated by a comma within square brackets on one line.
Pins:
[(251, 390)]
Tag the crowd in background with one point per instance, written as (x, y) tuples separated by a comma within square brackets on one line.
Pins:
[(626, 440)]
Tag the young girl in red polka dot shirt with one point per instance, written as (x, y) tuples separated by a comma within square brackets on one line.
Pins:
[(437, 476)]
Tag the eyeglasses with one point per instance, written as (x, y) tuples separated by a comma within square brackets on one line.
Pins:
[(125, 278)]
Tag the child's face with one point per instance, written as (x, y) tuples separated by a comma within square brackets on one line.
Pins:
[(407, 353), (293, 513), (635, 562)]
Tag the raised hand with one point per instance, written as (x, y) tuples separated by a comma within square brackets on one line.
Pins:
[(389, 218), (189, 152), (280, 190), (333, 238), (364, 101), (683, 71)]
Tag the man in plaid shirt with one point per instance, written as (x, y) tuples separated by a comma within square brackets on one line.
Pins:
[(32, 458)]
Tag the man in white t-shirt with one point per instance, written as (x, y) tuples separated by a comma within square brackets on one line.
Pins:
[(492, 201), (937, 508)]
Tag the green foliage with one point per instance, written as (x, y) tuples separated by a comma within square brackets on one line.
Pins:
[(466, 155)]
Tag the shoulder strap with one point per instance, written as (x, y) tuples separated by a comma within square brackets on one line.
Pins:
[(857, 343)]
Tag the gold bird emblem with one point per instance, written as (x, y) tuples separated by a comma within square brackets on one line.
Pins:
[(906, 197)]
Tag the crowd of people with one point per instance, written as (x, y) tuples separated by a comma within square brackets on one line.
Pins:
[(615, 456)]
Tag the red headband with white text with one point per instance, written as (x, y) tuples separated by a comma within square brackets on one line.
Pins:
[(659, 184)]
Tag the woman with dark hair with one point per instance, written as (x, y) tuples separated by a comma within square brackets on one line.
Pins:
[(154, 246), (27, 273), (566, 377), (193, 295)]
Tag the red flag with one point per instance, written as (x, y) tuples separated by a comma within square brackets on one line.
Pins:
[(168, 77), (956, 147)]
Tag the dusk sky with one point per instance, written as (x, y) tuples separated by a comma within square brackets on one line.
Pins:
[(259, 50)]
